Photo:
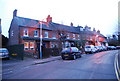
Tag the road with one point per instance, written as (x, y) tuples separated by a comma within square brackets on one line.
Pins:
[(89, 66)]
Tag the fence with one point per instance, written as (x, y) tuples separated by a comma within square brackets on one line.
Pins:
[(16, 51), (47, 52)]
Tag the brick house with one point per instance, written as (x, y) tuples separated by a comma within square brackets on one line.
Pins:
[(27, 31)]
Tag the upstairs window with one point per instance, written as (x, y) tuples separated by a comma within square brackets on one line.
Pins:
[(73, 36), (46, 34), (68, 36), (54, 35), (12, 33), (35, 33), (78, 37), (25, 32)]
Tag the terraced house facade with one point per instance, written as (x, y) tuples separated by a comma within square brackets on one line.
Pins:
[(27, 31)]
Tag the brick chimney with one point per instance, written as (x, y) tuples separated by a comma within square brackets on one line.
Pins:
[(49, 19), (71, 24), (98, 31), (94, 30), (15, 13)]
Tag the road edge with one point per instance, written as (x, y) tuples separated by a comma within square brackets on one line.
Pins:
[(117, 69)]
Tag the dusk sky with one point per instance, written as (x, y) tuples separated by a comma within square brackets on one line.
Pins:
[(99, 14)]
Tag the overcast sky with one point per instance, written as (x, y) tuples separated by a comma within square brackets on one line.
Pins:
[(99, 14)]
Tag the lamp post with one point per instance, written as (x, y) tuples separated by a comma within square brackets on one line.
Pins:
[(41, 40)]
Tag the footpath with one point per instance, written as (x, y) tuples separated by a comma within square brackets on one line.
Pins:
[(28, 61)]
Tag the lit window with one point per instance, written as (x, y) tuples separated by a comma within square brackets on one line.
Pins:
[(31, 45), (26, 45), (25, 32), (46, 34), (35, 33)]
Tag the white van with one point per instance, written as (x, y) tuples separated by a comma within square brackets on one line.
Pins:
[(90, 49)]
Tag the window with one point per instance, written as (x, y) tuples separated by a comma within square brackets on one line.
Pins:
[(46, 34), (12, 33), (31, 45), (26, 45), (25, 32), (68, 36), (78, 37), (73, 36), (54, 35), (35, 33)]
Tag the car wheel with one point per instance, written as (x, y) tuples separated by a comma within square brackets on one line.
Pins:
[(74, 57), (63, 58)]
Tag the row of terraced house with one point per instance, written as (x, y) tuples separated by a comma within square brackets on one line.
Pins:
[(54, 35)]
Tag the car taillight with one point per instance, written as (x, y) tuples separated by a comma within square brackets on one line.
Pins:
[(70, 50)]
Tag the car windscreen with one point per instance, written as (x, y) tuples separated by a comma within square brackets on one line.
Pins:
[(66, 50), (87, 46), (2, 51)]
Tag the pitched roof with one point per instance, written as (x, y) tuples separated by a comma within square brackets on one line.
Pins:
[(27, 22), (66, 28)]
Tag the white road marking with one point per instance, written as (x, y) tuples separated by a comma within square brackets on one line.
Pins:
[(116, 56)]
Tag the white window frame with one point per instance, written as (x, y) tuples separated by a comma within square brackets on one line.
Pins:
[(12, 33), (73, 36), (25, 32), (31, 48), (54, 35), (78, 37), (46, 33), (26, 48), (35, 33), (68, 36)]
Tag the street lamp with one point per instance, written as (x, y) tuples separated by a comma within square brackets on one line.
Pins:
[(41, 40)]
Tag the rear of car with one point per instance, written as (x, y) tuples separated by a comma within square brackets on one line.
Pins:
[(70, 53), (90, 49), (4, 54)]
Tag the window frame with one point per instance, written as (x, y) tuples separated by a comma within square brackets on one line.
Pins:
[(46, 33), (25, 31), (35, 34)]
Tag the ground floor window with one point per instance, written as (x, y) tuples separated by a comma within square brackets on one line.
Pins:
[(26, 45), (29, 45)]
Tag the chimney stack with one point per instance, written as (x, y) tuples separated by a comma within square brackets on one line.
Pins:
[(15, 13), (98, 31), (49, 19), (71, 24), (94, 30)]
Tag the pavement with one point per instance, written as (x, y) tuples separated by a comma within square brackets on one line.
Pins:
[(29, 61)]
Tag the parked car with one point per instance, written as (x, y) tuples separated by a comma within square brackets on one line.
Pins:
[(111, 47), (97, 49), (4, 54), (117, 47), (71, 53), (104, 48), (90, 49)]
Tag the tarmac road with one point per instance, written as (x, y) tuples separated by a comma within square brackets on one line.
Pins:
[(89, 66)]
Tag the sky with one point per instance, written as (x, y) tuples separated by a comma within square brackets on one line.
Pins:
[(99, 14)]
